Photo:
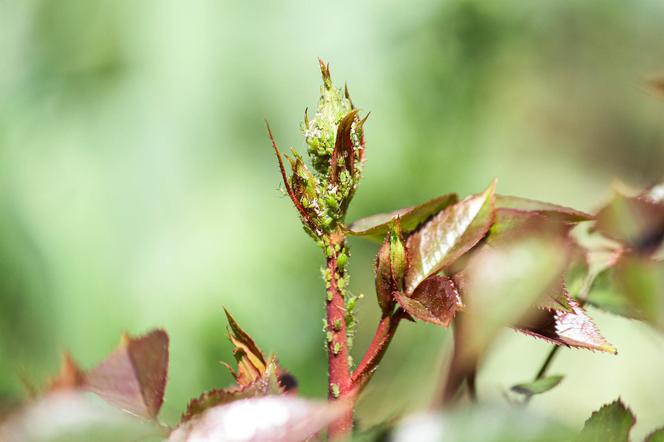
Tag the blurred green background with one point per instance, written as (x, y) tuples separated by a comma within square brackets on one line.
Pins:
[(138, 188)]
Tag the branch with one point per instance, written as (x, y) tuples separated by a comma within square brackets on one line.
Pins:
[(385, 331), (339, 381)]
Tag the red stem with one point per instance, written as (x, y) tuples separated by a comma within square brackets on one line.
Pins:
[(385, 331), (339, 382)]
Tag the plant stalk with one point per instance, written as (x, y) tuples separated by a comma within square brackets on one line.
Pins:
[(385, 331), (339, 381), (544, 368)]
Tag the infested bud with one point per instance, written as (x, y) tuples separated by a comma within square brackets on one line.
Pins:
[(335, 145)]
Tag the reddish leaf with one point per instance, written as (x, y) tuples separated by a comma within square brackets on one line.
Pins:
[(265, 419), (436, 301), (255, 375), (511, 224), (572, 329), (343, 147), (251, 364), (70, 376), (447, 236), (547, 209), (376, 226), (134, 376)]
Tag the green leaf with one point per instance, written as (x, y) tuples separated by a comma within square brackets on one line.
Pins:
[(538, 386), (436, 301), (635, 222), (609, 300), (611, 423), (555, 211), (641, 282), (376, 226), (447, 236), (133, 377), (656, 436)]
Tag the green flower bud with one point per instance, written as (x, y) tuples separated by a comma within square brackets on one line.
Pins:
[(391, 264)]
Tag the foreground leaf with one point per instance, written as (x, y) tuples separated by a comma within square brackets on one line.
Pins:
[(538, 386), (571, 329), (265, 419), (481, 424), (501, 284), (447, 236), (133, 377), (611, 423), (436, 301), (75, 416), (376, 226)]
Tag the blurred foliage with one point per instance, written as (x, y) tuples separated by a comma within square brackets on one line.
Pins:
[(138, 189)]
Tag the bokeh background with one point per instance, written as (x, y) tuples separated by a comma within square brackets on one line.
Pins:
[(138, 188)]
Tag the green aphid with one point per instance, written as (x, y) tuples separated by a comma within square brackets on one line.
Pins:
[(335, 391), (342, 259)]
